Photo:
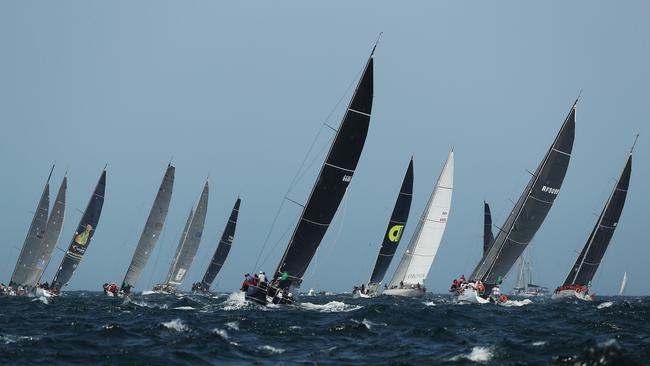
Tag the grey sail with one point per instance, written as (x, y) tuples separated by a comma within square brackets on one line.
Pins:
[(190, 242), (82, 236), (531, 209), (179, 248), (26, 264), (152, 229), (52, 231)]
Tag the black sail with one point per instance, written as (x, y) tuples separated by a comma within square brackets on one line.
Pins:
[(223, 248), (531, 209), (488, 236), (395, 227), (82, 236), (584, 269), (332, 182)]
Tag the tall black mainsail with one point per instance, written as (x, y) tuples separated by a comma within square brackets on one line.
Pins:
[(332, 182), (395, 228), (152, 230), (592, 253), (488, 236), (82, 236), (221, 253), (531, 208), (26, 265)]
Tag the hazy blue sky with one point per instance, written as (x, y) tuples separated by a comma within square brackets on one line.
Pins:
[(239, 90)]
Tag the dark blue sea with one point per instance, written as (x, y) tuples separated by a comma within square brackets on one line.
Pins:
[(88, 328)]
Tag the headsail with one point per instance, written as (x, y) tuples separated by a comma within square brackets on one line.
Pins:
[(584, 269), (152, 229), (395, 227), (418, 258), (82, 236), (531, 208), (332, 182), (52, 231), (26, 265), (190, 241), (488, 236), (223, 248)]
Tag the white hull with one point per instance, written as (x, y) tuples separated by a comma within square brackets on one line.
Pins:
[(571, 293), (41, 292), (405, 292), (470, 296)]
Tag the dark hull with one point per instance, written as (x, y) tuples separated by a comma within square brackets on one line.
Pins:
[(256, 295), (262, 296)]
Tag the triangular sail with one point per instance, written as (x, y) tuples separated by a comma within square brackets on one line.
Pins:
[(531, 209), (332, 182), (190, 242), (488, 236), (584, 269), (52, 231), (152, 229), (26, 265), (418, 258), (621, 292), (82, 236), (221, 253), (179, 248), (395, 227), (520, 284)]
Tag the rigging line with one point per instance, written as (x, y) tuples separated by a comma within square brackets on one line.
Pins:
[(276, 244)]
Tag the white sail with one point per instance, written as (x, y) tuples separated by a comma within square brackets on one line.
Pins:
[(621, 292), (416, 262), (521, 273)]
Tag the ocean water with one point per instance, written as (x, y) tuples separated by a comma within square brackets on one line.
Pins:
[(88, 328)]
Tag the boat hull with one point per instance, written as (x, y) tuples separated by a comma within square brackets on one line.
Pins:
[(470, 296), (256, 295), (405, 292), (562, 294)]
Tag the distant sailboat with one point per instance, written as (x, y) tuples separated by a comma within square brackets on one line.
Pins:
[(416, 262), (392, 236), (524, 285), (82, 237), (326, 195), (188, 245), (578, 281), (221, 253), (621, 292), (525, 218)]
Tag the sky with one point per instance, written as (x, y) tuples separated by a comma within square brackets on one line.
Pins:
[(237, 92)]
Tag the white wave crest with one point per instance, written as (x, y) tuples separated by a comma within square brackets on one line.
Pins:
[(478, 354), (184, 308), (145, 293), (42, 299), (233, 325), (10, 338), (605, 305), (176, 325), (538, 343), (144, 304), (331, 307), (235, 301), (429, 303), (517, 302), (370, 324), (221, 333), (271, 349)]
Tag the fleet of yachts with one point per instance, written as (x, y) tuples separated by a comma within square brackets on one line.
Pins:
[(501, 250)]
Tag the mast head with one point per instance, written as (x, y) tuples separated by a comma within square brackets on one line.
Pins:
[(634, 144)]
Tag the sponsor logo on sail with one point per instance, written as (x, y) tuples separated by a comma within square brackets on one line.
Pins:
[(395, 233)]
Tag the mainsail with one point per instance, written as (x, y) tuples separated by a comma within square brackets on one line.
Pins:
[(621, 292), (418, 258), (152, 229), (584, 269), (223, 248), (26, 264), (190, 241), (332, 182), (488, 237), (395, 227), (52, 232), (531, 208), (82, 236)]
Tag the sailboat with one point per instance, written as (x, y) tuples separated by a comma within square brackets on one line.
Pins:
[(413, 269), (392, 236), (578, 281), (149, 237), (326, 195), (221, 253), (187, 247), (524, 220), (621, 292), (524, 285), (81, 238)]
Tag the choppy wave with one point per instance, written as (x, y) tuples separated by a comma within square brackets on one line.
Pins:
[(331, 307), (176, 325)]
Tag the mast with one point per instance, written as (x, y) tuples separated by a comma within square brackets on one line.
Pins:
[(225, 243), (26, 264), (593, 252), (152, 228), (82, 236), (332, 182), (531, 209), (423, 247), (395, 229), (52, 231)]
